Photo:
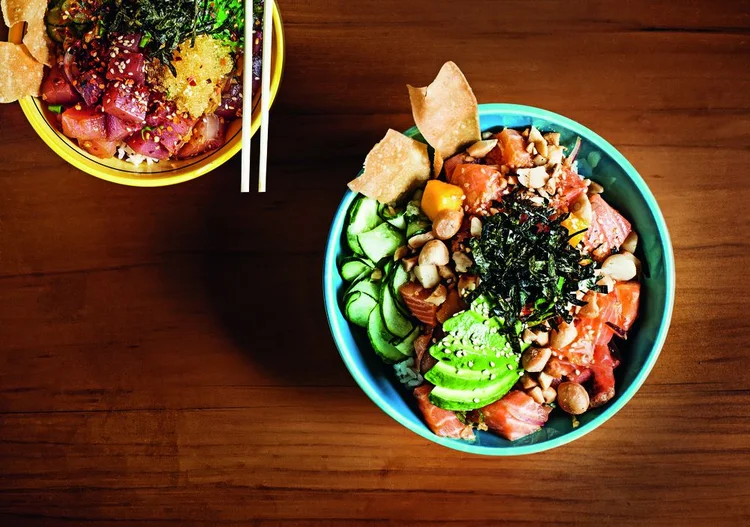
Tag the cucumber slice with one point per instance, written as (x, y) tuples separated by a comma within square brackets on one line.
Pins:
[(406, 346), (418, 225), (399, 222), (363, 217), (353, 268), (381, 339), (398, 277), (395, 321), (54, 17), (395, 217), (366, 286), (358, 308), (56, 33), (381, 241)]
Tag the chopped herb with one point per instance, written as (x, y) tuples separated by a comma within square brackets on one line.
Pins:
[(528, 268), (55, 108)]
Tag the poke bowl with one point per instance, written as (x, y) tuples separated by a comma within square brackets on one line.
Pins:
[(127, 167), (598, 161)]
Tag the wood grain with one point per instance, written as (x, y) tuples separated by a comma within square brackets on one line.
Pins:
[(164, 357)]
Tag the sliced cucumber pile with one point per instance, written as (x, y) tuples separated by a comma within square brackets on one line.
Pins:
[(372, 299)]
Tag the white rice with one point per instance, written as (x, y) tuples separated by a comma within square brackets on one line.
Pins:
[(407, 373), (131, 156)]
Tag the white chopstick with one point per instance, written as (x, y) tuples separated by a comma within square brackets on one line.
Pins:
[(247, 96), (265, 94)]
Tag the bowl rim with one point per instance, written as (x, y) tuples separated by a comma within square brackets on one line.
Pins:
[(333, 311), (74, 155)]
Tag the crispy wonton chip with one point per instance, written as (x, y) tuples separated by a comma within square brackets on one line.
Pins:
[(395, 166), (15, 11), (437, 164), (27, 73), (36, 42), (446, 111)]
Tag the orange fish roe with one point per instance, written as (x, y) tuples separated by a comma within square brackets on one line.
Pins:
[(200, 71)]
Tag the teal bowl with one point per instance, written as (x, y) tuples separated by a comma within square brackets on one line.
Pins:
[(626, 191)]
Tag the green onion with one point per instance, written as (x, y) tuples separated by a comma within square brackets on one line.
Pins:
[(55, 108)]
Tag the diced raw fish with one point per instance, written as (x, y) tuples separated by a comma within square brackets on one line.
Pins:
[(126, 102), (628, 295), (101, 148), (208, 134), (514, 416), (453, 304), (117, 129), (481, 184), (127, 66), (57, 90), (451, 163), (415, 297), (84, 123), (443, 423), (125, 43), (603, 387), (231, 102), (510, 150), (171, 134), (569, 186), (608, 229), (91, 87), (144, 144)]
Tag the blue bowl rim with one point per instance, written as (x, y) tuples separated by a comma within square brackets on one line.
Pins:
[(333, 312)]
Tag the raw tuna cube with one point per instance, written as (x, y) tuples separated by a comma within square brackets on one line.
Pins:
[(117, 129), (144, 144), (171, 134), (57, 90), (91, 87), (84, 123), (127, 66), (101, 148), (127, 103), (231, 102), (125, 43), (208, 134)]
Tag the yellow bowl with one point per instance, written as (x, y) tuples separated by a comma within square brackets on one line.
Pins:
[(159, 174)]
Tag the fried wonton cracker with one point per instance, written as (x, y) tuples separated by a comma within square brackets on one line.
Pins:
[(395, 166), (446, 111), (32, 12), (26, 77)]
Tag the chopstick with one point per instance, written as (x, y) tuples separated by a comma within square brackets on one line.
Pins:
[(247, 98), (265, 94)]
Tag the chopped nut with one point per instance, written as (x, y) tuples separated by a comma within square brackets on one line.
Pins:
[(434, 252), (462, 261), (438, 296), (536, 394), (552, 138), (591, 309), (551, 186), (582, 208), (606, 281), (481, 148), (376, 275), (427, 275), (487, 135), (563, 335), (400, 253), (409, 263), (542, 337), (545, 381), (631, 242), (554, 155), (447, 223), (573, 398), (467, 283), (535, 359), (532, 177), (540, 144), (530, 148), (540, 160), (445, 272), (528, 336), (594, 188), (621, 267), (549, 395), (528, 382), (415, 242), (475, 227)]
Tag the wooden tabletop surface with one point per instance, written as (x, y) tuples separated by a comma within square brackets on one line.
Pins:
[(165, 359)]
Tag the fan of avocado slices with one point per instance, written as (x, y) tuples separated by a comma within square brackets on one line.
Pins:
[(476, 362)]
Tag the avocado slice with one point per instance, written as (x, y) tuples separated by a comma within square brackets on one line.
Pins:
[(476, 364)]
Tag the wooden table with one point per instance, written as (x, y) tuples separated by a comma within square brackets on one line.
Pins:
[(165, 359)]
